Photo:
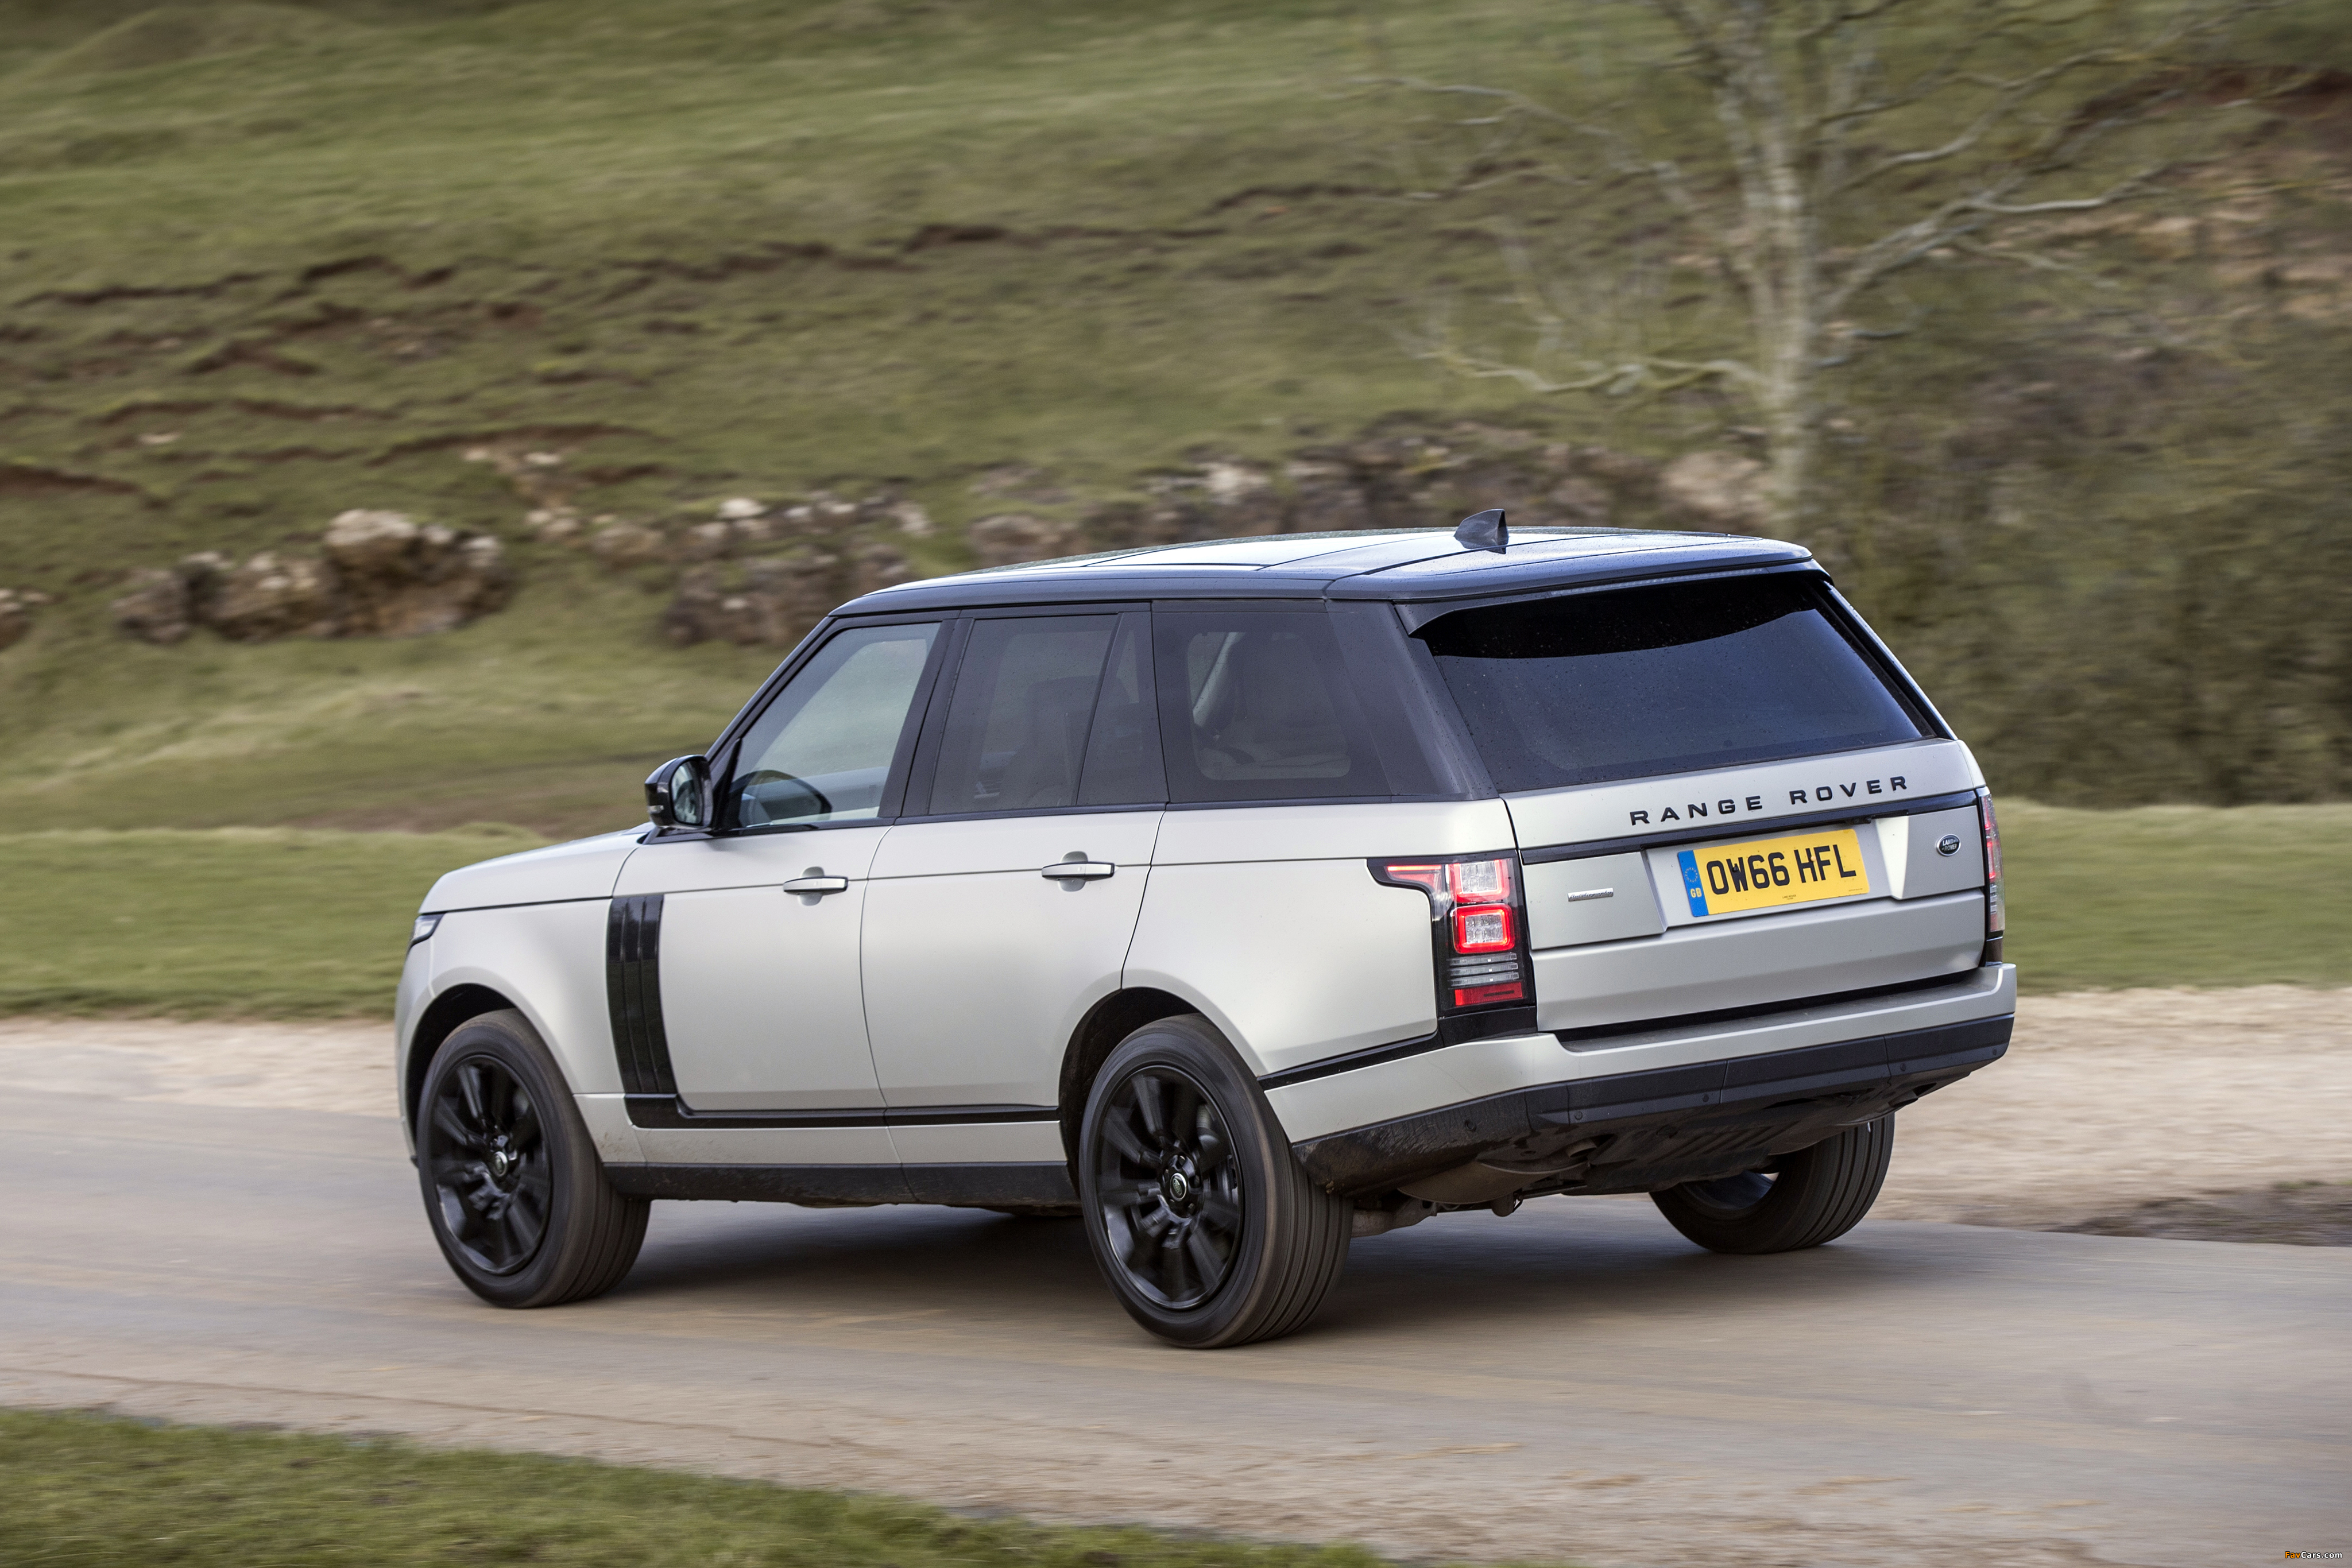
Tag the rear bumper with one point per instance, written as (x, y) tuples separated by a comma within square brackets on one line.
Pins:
[(1640, 1111)]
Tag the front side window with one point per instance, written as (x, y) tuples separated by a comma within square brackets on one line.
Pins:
[(1670, 679), (822, 751), (1256, 705), (1048, 714)]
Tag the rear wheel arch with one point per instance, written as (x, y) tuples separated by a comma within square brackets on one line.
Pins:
[(1107, 1023)]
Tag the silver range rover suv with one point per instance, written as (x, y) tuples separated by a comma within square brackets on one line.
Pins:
[(1240, 898)]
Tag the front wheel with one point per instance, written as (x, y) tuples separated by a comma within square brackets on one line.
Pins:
[(1819, 1195), (517, 1197), (1201, 1219)]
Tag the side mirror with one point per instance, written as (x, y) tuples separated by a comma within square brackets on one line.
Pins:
[(678, 793)]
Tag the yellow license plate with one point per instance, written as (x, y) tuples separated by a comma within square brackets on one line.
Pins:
[(1766, 874)]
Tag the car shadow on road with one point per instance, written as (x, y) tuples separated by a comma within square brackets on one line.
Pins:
[(1563, 1260)]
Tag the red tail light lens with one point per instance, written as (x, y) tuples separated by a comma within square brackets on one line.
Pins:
[(1479, 881), (1996, 914), (1475, 905), (1427, 876), (1451, 883), (1485, 929)]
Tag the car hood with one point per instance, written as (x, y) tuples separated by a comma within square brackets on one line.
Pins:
[(584, 868)]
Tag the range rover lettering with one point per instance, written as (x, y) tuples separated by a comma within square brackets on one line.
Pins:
[(1240, 898)]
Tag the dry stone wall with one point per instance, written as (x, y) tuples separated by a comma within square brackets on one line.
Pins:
[(761, 572), (378, 574)]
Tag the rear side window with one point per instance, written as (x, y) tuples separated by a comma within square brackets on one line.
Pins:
[(1256, 705), (1048, 712), (1670, 679)]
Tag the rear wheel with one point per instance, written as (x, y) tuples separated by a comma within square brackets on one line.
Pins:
[(516, 1196), (1818, 1196), (1200, 1216)]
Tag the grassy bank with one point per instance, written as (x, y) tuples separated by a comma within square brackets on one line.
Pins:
[(265, 263), (2179, 895), (239, 922), (288, 923), (86, 1491)]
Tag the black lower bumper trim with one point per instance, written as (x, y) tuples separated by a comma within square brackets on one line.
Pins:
[(1027, 1186), (1634, 1131)]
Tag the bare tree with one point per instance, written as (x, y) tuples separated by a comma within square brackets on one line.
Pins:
[(1853, 139)]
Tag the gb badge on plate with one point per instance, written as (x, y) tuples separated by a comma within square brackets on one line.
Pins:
[(1767, 873)]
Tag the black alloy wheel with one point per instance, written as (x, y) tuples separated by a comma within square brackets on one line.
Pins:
[(490, 1166), (1816, 1195), (1727, 1199), (1202, 1221), (1171, 1193), (518, 1200)]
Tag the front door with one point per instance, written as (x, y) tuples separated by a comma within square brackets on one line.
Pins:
[(759, 923), (995, 923)]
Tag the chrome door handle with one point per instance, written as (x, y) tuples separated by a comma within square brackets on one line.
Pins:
[(1078, 871), (818, 884)]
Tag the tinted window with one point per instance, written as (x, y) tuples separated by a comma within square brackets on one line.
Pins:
[(1017, 726), (1256, 705), (822, 751), (1661, 680), (1123, 747)]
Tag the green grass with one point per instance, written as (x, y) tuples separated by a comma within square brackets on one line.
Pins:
[(284, 923), (259, 264), (2178, 895), (548, 719), (677, 243), (85, 1491), (253, 922)]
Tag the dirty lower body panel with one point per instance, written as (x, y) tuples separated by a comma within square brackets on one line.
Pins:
[(1637, 1131)]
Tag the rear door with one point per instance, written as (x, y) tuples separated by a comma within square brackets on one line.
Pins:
[(1003, 912), (1294, 760)]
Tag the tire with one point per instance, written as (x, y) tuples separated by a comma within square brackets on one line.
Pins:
[(513, 1188), (1200, 1216), (1820, 1194)]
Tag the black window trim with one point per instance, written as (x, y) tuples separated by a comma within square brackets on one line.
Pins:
[(924, 766), (1412, 615), (1881, 657), (727, 751)]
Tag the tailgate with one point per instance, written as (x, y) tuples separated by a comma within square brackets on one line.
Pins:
[(1815, 905)]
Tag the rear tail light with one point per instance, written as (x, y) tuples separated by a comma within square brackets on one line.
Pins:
[(1487, 930), (1996, 913), (1475, 905)]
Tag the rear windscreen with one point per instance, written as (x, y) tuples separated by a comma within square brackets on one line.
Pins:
[(1673, 679)]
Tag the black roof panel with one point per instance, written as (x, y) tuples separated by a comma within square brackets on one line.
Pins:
[(1401, 564)]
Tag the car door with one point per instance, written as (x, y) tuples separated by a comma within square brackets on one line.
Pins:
[(757, 922), (997, 919)]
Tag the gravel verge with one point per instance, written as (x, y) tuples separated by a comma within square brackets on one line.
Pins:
[(2216, 1115)]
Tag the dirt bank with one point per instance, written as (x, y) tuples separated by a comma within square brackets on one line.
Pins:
[(2110, 1101)]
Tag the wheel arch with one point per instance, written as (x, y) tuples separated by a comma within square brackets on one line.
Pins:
[(1107, 1023), (441, 1018)]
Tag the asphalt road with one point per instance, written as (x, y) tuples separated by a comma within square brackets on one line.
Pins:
[(1574, 1381)]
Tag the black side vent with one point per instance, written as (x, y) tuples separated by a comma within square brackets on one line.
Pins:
[(633, 988)]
